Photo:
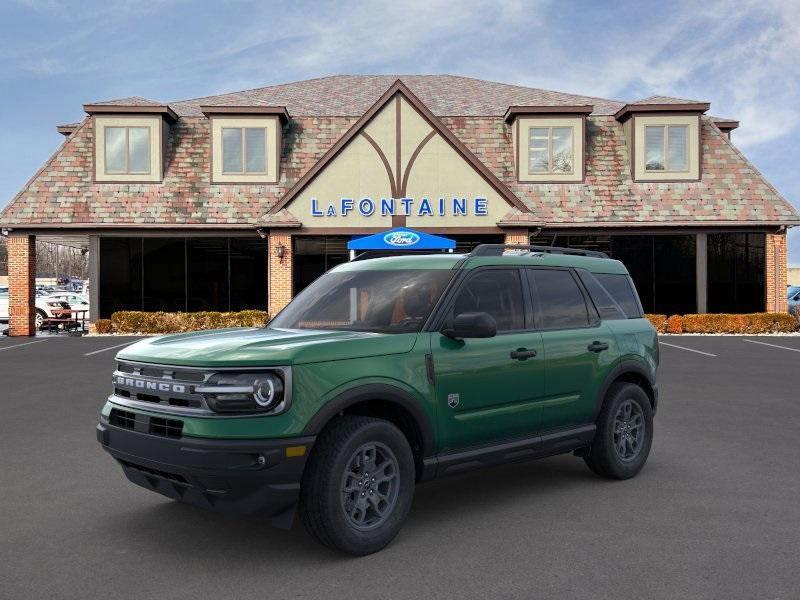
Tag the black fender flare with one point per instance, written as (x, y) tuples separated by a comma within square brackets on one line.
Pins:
[(623, 368), (375, 391)]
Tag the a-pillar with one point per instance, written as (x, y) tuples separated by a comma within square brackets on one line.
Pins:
[(776, 273), (280, 270), (21, 284)]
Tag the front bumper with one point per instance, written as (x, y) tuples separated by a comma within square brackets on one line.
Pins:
[(249, 477)]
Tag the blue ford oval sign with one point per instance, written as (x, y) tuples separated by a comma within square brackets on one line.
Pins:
[(401, 238)]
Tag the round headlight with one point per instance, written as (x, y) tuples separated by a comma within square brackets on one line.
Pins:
[(265, 392)]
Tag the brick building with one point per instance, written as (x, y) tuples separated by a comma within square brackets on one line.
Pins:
[(240, 200)]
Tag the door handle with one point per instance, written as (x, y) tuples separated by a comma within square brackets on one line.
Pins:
[(597, 346), (522, 353)]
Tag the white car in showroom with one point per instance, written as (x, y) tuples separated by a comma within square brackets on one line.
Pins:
[(47, 307)]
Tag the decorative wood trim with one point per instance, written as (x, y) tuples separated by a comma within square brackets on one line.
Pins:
[(412, 158), (131, 109), (399, 87), (384, 160), (279, 111), (629, 109)]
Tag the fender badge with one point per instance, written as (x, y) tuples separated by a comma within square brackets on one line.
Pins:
[(452, 400)]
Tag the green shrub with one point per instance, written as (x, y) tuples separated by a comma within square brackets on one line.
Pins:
[(132, 321)]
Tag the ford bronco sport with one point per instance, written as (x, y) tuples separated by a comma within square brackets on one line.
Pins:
[(389, 371)]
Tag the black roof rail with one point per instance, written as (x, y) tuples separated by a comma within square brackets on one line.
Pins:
[(499, 249)]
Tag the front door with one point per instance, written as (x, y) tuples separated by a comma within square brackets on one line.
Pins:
[(487, 389), (579, 348)]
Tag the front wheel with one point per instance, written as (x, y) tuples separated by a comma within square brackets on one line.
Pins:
[(624, 433), (39, 318), (358, 486)]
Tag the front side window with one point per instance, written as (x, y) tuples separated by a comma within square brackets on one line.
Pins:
[(127, 150), (497, 292), (396, 301), (561, 302), (666, 147), (244, 150), (550, 150)]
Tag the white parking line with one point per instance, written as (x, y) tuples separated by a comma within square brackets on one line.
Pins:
[(688, 349), (19, 345), (110, 348), (771, 345)]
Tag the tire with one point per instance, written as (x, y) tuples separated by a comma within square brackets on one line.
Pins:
[(39, 318), (620, 448), (334, 498)]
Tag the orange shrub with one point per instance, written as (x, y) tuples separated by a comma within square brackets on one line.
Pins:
[(674, 324), (658, 321), (747, 323), (103, 326), (133, 321)]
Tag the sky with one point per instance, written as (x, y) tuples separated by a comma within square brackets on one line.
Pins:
[(742, 56)]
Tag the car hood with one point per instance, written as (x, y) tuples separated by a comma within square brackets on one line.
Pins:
[(238, 347)]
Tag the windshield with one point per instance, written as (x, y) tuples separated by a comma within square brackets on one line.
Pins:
[(396, 301)]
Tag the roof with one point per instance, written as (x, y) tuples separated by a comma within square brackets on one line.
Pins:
[(352, 95), (63, 194)]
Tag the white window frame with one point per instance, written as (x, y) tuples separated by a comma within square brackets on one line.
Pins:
[(665, 148), (550, 170), (127, 129)]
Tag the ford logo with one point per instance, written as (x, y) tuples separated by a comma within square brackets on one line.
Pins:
[(401, 238)]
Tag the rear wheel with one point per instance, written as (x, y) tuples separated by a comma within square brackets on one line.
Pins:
[(624, 433), (39, 318), (358, 486)]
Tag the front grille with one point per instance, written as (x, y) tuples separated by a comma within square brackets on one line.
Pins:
[(165, 386), (158, 473), (122, 418), (171, 428)]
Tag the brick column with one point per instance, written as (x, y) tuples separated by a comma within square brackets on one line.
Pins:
[(280, 271), (21, 284), (775, 273), (517, 236)]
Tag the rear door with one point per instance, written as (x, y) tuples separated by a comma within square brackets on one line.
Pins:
[(578, 347), (488, 389)]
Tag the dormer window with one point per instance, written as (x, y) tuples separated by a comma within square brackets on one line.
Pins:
[(245, 143), (548, 142), (666, 148), (244, 150), (550, 150), (127, 150)]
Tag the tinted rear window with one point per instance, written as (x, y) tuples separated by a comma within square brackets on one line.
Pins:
[(606, 305), (560, 301), (623, 292)]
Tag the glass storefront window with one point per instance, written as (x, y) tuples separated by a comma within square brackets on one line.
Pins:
[(736, 272), (182, 274)]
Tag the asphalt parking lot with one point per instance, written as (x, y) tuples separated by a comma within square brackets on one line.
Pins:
[(715, 513)]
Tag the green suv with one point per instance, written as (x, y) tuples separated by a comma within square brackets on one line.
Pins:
[(389, 371)]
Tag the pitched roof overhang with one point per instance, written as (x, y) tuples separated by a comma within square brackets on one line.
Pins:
[(68, 129), (279, 111), (398, 87), (131, 109), (578, 109), (725, 124), (690, 107)]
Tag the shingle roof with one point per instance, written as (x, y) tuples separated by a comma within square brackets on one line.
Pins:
[(130, 101), (665, 100), (352, 95), (62, 193)]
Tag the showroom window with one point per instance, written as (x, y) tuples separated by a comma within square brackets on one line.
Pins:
[(666, 147), (182, 274), (736, 265), (244, 150)]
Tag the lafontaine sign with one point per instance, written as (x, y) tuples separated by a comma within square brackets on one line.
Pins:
[(422, 207)]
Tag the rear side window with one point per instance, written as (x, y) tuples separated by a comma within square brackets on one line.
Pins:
[(605, 304), (496, 292), (623, 292), (560, 301)]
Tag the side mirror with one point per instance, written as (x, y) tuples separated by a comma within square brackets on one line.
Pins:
[(472, 325)]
